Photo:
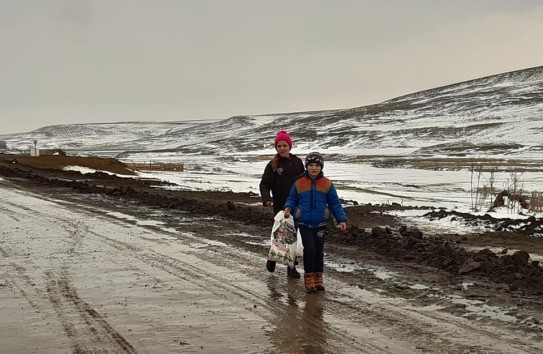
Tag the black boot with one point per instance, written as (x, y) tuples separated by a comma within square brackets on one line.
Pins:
[(270, 266), (293, 273)]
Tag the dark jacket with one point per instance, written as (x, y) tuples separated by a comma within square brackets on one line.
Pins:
[(311, 201), (278, 182)]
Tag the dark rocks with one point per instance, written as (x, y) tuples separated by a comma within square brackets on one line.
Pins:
[(469, 266)]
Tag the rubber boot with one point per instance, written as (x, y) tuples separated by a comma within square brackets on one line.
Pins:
[(293, 273), (270, 266), (319, 282), (309, 282)]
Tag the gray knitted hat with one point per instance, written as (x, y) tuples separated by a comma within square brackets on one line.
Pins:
[(314, 157)]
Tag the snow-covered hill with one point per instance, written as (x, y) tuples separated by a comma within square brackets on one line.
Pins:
[(499, 115)]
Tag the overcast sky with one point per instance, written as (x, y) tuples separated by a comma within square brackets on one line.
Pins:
[(83, 61)]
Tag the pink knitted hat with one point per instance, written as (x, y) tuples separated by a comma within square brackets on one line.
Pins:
[(283, 135)]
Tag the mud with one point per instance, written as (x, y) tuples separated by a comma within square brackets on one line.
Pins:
[(501, 267), (388, 236)]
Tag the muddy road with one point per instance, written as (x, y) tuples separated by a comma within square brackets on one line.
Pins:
[(98, 264)]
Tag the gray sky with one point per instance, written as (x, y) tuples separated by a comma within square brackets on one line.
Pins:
[(83, 61)]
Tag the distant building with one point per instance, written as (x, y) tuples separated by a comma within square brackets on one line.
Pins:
[(34, 151)]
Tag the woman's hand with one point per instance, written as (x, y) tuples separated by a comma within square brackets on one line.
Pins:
[(287, 213), (343, 226)]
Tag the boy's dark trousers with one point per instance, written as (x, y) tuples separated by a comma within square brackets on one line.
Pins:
[(313, 241)]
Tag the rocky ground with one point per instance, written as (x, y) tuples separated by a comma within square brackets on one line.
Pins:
[(499, 268)]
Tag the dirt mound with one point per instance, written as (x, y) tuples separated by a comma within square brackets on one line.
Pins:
[(58, 162), (409, 245), (529, 226)]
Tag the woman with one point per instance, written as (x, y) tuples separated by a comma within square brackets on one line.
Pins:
[(277, 180)]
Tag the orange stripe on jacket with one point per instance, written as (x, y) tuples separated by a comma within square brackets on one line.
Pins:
[(304, 185)]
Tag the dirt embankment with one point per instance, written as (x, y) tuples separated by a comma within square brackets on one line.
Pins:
[(388, 238), (58, 162)]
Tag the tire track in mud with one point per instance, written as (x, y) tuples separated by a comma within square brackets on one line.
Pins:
[(27, 284), (212, 282), (23, 284), (389, 314), (187, 271), (87, 333), (87, 330), (399, 319), (202, 278), (73, 227), (6, 212), (65, 301), (15, 274), (15, 208)]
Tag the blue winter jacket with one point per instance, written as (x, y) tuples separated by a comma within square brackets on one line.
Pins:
[(311, 201)]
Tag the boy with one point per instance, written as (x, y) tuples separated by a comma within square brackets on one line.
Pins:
[(310, 201)]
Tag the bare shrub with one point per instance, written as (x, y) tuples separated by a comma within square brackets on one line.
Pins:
[(484, 195), (514, 187), (536, 202), (492, 182), (484, 191), (479, 193)]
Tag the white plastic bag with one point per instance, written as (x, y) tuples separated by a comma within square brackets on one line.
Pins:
[(299, 245), (283, 247)]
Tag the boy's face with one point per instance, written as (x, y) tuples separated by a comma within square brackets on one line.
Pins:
[(313, 169), (282, 148)]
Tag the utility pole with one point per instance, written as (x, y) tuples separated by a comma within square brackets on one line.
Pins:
[(35, 152)]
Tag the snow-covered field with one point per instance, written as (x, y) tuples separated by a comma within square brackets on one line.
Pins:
[(357, 182), (360, 183)]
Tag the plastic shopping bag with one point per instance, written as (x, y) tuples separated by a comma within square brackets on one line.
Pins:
[(299, 245), (283, 240)]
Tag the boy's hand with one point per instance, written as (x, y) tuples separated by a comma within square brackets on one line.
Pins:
[(287, 213), (343, 226)]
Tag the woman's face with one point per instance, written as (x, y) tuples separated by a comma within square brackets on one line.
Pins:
[(282, 148), (313, 169)]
